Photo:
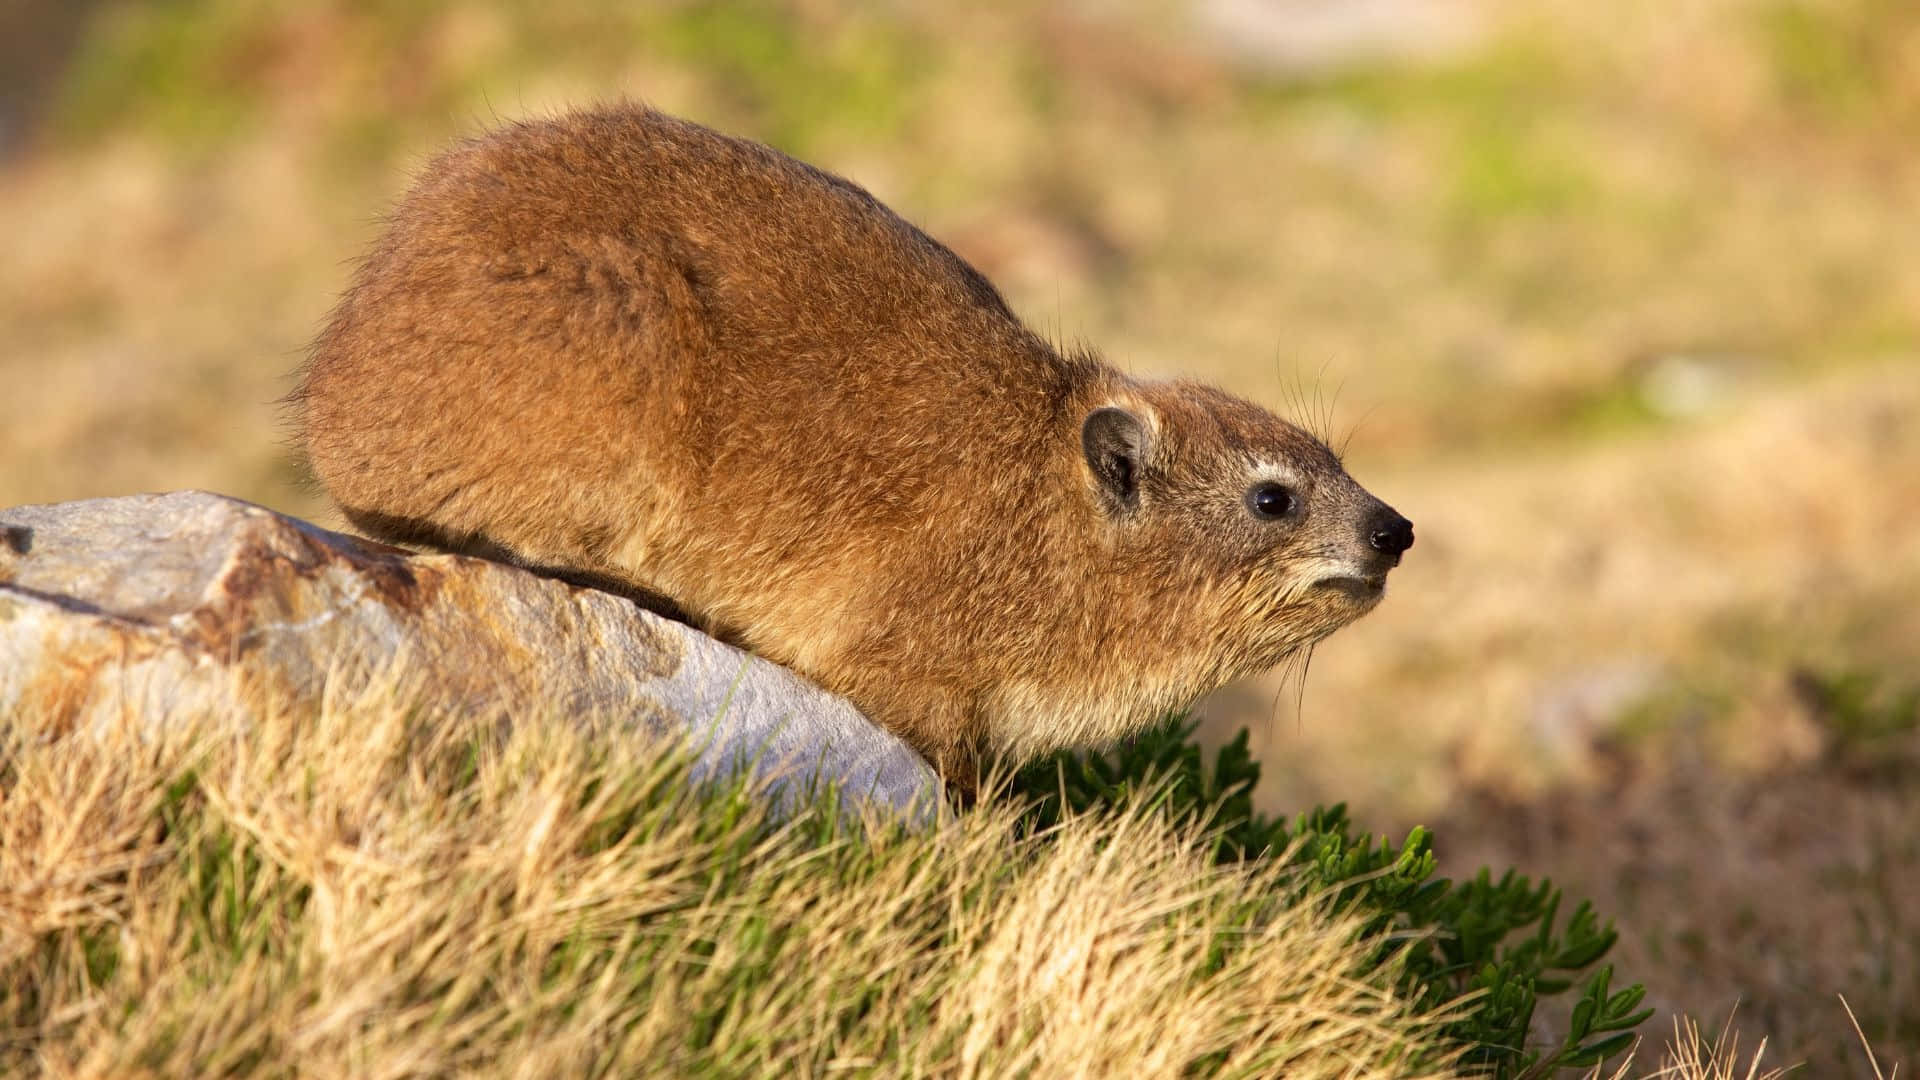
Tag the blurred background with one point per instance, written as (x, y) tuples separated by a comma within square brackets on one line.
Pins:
[(1619, 302)]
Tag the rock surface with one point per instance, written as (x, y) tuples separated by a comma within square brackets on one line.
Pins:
[(196, 602)]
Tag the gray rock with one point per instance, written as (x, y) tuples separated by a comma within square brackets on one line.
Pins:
[(170, 604)]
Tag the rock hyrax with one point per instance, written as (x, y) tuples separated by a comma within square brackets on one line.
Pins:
[(624, 348)]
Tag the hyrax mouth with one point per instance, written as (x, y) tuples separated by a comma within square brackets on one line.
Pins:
[(1385, 537), (1366, 588)]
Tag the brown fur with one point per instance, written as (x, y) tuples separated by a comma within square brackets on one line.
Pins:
[(622, 347)]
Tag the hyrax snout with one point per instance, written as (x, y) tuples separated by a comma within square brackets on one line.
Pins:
[(626, 349)]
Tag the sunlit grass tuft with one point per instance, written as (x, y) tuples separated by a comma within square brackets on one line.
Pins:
[(378, 891)]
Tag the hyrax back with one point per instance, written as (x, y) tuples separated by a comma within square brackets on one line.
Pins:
[(630, 350)]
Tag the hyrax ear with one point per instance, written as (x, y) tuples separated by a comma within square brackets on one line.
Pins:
[(1116, 443)]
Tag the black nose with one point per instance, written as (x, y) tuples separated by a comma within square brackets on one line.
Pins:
[(1391, 534)]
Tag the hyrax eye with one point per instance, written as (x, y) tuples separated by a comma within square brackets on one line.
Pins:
[(1270, 501)]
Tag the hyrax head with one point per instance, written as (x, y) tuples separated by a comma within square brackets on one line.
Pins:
[(1264, 543)]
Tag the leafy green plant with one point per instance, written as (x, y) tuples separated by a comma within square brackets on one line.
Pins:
[(1495, 946)]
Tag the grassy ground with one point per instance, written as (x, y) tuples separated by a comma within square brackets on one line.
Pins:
[(372, 890), (377, 891), (1620, 303)]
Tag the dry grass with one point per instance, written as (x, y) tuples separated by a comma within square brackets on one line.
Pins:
[(1692, 1056), (372, 891)]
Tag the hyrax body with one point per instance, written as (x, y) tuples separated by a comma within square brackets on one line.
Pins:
[(627, 349)]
